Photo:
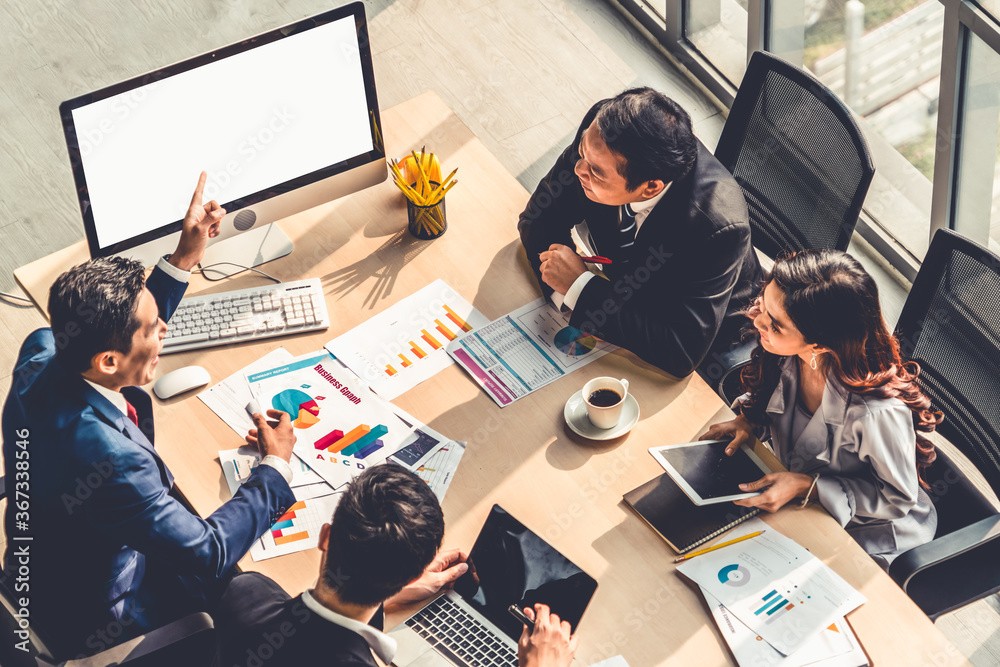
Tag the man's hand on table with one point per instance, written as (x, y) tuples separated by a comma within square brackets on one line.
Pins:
[(275, 438)]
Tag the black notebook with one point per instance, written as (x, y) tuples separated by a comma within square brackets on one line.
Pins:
[(684, 525)]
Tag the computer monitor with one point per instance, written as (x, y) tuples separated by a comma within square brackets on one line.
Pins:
[(282, 122)]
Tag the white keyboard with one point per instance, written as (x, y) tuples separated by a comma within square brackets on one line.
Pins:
[(247, 314)]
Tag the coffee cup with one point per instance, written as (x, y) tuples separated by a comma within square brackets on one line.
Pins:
[(605, 398)]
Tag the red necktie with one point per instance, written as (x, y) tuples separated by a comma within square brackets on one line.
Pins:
[(131, 413)]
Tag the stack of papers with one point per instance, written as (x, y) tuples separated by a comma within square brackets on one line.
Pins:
[(779, 592), (341, 428)]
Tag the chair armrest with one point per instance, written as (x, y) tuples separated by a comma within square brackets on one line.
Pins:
[(952, 570), (3, 488), (730, 364), (189, 641)]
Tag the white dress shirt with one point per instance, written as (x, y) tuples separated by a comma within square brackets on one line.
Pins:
[(642, 210)]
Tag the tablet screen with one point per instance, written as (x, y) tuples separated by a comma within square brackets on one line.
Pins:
[(709, 472)]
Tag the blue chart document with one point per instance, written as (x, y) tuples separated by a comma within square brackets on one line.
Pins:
[(524, 351), (775, 587)]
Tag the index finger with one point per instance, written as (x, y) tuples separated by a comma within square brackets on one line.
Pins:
[(280, 415), (199, 189)]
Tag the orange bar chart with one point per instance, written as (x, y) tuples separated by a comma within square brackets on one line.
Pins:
[(390, 371), (406, 362), (430, 339), (453, 316), (294, 537), (349, 438), (290, 514), (417, 351), (444, 330)]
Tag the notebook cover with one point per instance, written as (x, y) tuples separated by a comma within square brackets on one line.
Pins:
[(681, 523)]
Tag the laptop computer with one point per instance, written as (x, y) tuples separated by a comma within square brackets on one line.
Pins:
[(470, 625)]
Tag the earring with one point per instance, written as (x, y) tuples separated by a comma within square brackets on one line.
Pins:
[(812, 362)]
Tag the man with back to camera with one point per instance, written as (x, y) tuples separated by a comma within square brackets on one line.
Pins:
[(673, 222), (112, 551), (380, 553)]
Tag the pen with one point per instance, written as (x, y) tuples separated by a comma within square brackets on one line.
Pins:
[(516, 612), (718, 546), (596, 259)]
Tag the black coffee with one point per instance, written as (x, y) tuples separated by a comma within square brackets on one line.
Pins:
[(605, 398)]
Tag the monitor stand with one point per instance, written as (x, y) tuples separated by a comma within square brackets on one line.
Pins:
[(249, 249)]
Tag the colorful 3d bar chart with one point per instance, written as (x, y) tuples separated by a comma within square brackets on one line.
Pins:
[(417, 351), (329, 439), (453, 316), (365, 441), (390, 371), (406, 362)]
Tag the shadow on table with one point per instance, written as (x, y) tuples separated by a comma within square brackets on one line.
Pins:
[(384, 265)]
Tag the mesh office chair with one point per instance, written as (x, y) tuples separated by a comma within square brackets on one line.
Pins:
[(950, 325), (804, 168), (188, 641)]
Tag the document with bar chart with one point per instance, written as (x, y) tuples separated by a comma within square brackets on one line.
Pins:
[(298, 529), (402, 346), (774, 586), (341, 427), (524, 351)]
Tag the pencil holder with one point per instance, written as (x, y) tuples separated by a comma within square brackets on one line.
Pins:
[(426, 222)]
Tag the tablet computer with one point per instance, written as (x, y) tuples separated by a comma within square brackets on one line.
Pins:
[(704, 472)]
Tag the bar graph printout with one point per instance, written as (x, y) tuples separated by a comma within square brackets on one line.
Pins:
[(404, 345), (524, 351), (341, 427), (774, 587)]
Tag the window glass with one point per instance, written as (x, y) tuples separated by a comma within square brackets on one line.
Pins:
[(978, 192), (883, 59), (718, 29)]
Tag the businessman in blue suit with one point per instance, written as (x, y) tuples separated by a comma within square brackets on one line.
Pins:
[(99, 547)]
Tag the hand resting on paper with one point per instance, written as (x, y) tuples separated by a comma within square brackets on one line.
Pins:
[(276, 437)]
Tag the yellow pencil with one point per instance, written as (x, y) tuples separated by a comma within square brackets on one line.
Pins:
[(718, 546)]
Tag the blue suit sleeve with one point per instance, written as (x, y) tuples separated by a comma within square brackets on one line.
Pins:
[(167, 291), (133, 504)]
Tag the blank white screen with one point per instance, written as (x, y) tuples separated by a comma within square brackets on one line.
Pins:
[(253, 120)]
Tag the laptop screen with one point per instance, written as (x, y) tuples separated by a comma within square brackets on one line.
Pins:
[(509, 564)]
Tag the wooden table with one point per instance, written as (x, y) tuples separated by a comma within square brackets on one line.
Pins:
[(523, 457)]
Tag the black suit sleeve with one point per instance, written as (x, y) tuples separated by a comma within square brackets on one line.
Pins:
[(556, 206), (669, 323)]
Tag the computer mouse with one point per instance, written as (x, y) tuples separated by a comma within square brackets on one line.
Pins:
[(179, 381)]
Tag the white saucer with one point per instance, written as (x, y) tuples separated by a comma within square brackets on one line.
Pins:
[(575, 413)]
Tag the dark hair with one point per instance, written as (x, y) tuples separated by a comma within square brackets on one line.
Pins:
[(92, 309), (834, 303), (386, 530), (651, 132)]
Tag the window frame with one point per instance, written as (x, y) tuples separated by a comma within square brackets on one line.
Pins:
[(962, 19)]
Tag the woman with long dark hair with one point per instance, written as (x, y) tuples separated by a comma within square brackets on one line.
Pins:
[(843, 412)]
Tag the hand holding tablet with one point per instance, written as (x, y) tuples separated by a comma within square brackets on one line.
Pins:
[(707, 474)]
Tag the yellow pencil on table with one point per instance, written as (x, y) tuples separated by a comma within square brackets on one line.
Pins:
[(680, 559)]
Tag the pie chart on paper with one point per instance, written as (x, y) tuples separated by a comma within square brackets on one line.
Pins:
[(299, 405), (576, 343)]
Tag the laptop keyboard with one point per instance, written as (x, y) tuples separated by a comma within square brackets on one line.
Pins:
[(460, 637)]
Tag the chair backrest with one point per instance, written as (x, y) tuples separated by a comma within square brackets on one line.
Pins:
[(950, 325), (799, 156)]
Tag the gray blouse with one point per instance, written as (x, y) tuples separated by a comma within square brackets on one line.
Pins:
[(864, 450)]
